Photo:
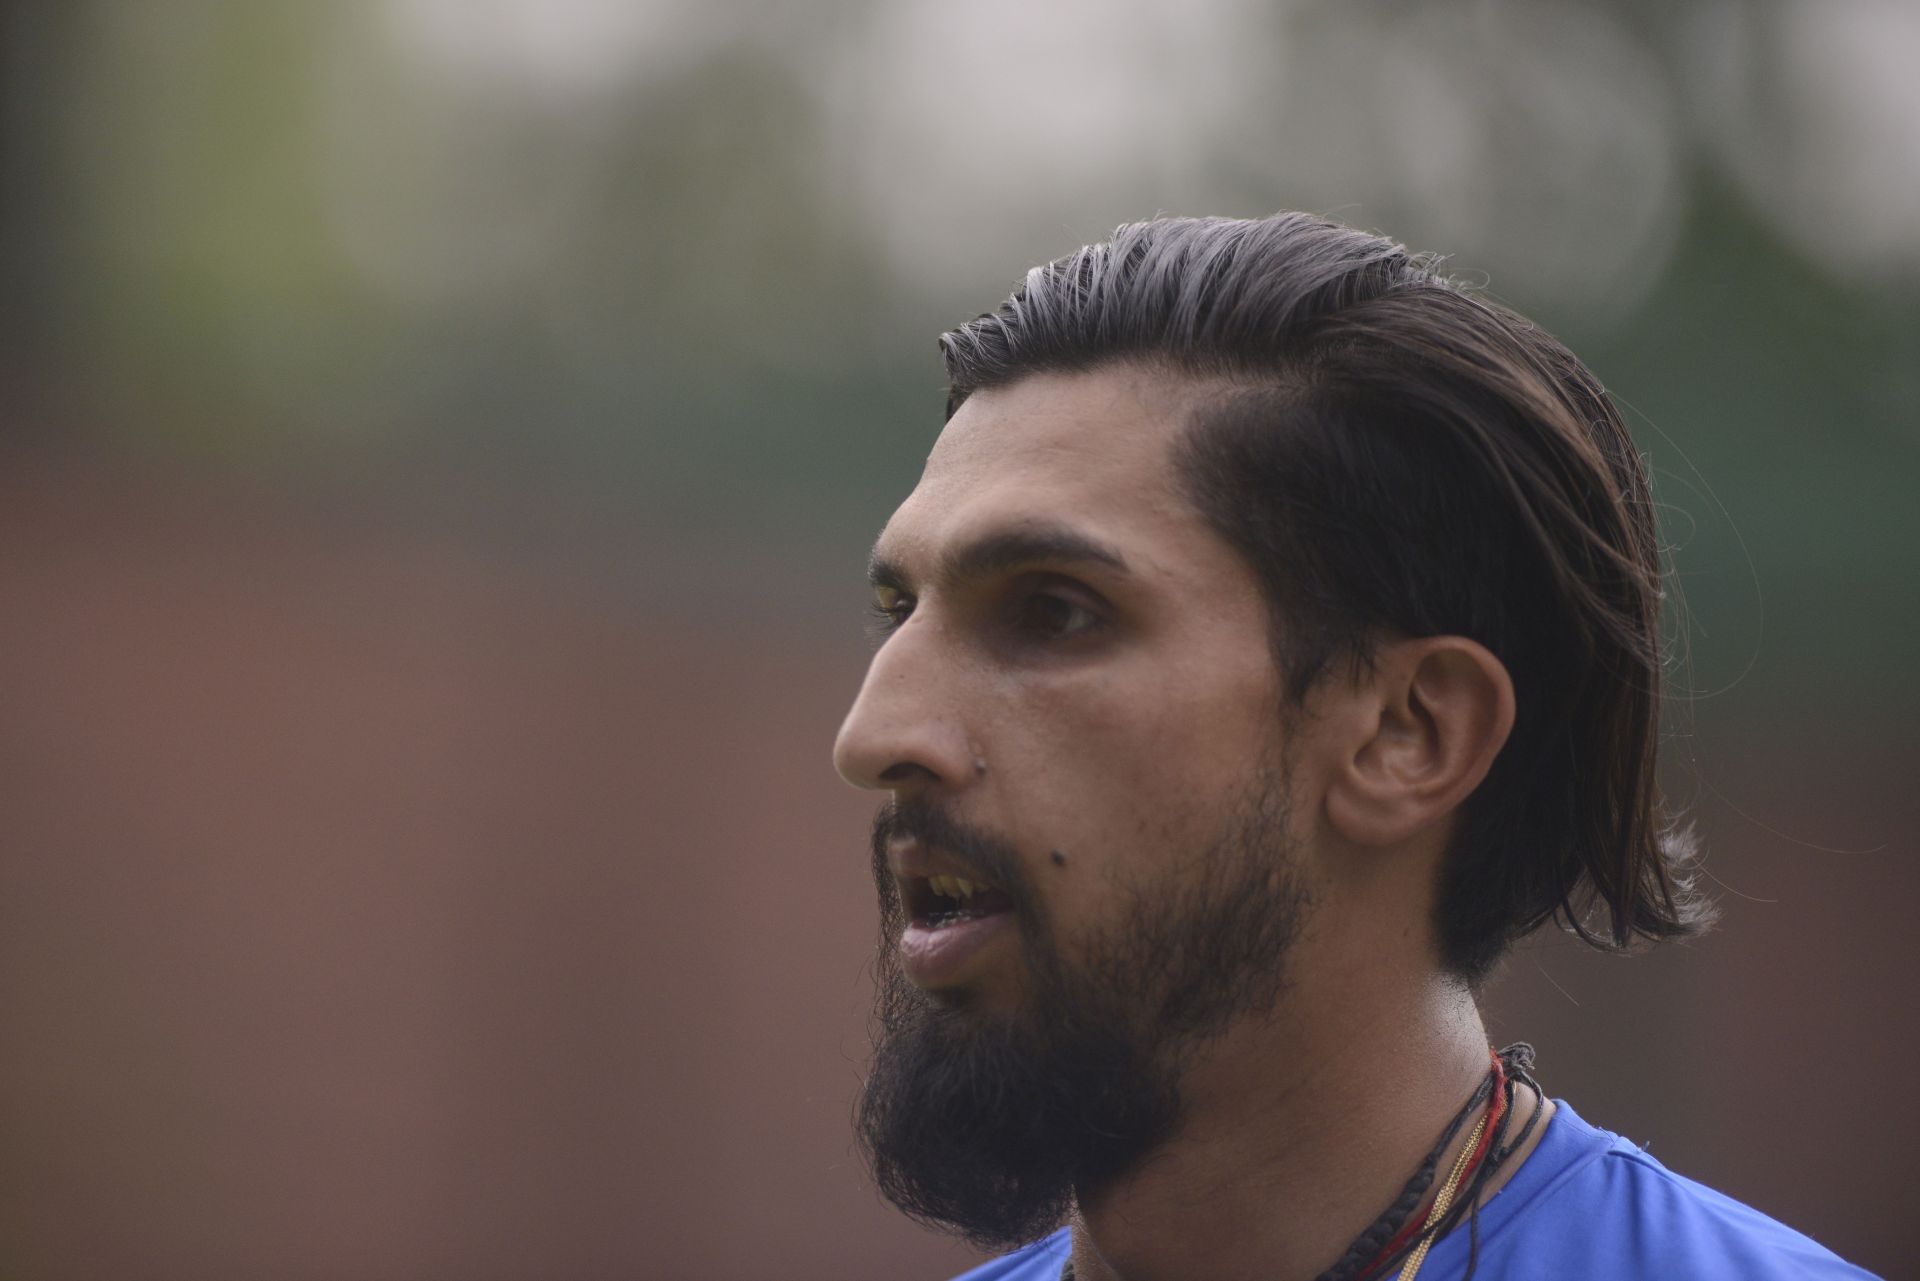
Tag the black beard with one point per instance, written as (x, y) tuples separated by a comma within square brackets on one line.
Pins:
[(993, 1126)]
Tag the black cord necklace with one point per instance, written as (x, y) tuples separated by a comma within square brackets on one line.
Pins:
[(1362, 1261)]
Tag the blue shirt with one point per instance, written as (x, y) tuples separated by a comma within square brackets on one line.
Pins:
[(1586, 1206)]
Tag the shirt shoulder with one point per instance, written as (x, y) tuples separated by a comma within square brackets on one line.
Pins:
[(1588, 1205), (1040, 1261)]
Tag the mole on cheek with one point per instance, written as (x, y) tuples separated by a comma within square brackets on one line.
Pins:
[(1059, 858)]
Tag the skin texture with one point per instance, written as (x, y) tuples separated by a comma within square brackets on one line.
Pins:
[(1099, 718)]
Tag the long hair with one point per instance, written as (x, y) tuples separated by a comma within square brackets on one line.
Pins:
[(1394, 454)]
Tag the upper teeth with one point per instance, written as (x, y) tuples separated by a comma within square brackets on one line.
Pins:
[(954, 886)]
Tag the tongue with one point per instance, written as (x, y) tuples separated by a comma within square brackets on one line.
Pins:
[(983, 903)]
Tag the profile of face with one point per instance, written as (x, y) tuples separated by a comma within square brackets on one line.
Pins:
[(1086, 858)]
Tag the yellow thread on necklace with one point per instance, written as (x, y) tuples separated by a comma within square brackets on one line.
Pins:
[(1441, 1202)]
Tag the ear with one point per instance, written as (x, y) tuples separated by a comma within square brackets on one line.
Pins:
[(1426, 726)]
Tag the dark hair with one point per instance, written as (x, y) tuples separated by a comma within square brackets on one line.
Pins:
[(1393, 453)]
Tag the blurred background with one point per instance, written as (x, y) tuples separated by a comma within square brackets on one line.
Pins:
[(439, 440)]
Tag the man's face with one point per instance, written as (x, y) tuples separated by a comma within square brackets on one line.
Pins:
[(1077, 709), (1080, 664)]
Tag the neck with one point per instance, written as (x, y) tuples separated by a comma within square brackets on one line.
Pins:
[(1301, 1126)]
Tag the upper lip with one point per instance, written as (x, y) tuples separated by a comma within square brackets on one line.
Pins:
[(911, 861)]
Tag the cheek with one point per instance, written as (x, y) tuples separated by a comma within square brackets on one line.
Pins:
[(1135, 765), (1154, 718)]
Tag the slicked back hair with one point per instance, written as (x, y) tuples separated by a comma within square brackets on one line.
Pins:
[(1396, 455)]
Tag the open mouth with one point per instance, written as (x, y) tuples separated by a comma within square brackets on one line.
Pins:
[(952, 923), (938, 902)]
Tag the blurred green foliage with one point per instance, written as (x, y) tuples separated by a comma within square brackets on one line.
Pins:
[(647, 282)]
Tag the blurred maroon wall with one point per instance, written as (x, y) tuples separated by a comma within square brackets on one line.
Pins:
[(375, 906)]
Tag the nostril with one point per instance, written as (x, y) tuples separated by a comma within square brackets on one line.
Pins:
[(904, 772)]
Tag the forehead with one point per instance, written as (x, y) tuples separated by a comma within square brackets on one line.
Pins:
[(1090, 450)]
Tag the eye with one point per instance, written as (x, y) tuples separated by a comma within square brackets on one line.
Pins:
[(890, 608), (1056, 617)]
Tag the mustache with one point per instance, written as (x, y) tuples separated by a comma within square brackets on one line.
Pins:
[(976, 854)]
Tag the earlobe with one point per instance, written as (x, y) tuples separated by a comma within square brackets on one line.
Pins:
[(1427, 725)]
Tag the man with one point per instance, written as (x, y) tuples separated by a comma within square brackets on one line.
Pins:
[(1271, 640)]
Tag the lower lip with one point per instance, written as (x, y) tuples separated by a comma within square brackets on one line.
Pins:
[(938, 957)]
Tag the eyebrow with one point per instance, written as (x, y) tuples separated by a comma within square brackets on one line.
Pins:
[(1004, 550)]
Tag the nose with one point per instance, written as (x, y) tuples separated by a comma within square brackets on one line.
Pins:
[(904, 732)]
